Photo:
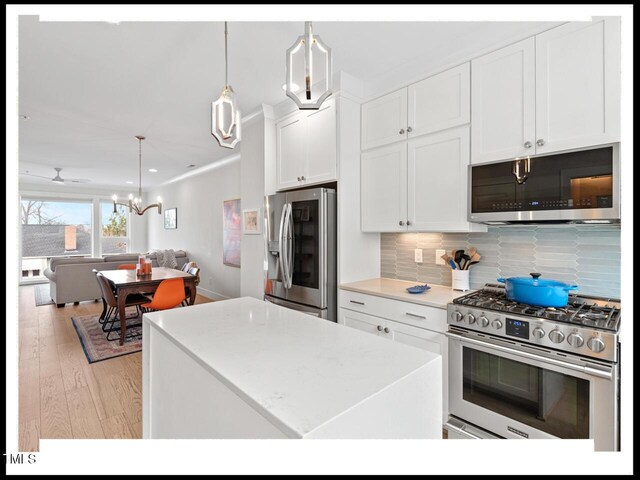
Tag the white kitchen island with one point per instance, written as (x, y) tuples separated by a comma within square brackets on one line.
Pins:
[(244, 368)]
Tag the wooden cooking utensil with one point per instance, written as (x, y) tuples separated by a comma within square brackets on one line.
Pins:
[(472, 251), (475, 259)]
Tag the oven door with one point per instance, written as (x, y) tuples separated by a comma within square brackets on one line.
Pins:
[(518, 391)]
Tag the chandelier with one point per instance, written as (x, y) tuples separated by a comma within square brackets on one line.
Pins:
[(135, 203), (225, 117), (309, 64)]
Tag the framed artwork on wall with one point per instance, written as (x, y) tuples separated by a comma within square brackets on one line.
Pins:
[(231, 230), (251, 221), (171, 218)]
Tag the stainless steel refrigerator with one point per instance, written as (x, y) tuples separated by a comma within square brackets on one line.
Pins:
[(300, 241)]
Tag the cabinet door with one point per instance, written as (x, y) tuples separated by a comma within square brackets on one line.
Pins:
[(384, 120), (437, 181), (440, 102), (427, 340), (578, 85), (290, 150), (320, 158), (383, 189), (361, 321), (503, 103)]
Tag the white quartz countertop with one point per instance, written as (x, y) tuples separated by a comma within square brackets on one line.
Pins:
[(297, 371), (437, 296)]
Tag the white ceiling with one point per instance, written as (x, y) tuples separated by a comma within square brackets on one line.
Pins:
[(89, 87)]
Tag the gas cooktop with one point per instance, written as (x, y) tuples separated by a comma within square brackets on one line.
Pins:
[(593, 312)]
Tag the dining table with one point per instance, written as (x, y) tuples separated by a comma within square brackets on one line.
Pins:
[(127, 282)]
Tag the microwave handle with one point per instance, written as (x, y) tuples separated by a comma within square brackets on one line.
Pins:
[(604, 373)]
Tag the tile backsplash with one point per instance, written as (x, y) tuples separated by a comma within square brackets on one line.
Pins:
[(588, 256)]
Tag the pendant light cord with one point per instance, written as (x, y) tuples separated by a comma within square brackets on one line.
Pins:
[(226, 67), (140, 168)]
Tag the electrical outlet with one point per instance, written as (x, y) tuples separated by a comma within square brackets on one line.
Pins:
[(439, 253), (418, 255)]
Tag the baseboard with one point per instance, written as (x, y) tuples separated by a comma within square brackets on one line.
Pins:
[(210, 295)]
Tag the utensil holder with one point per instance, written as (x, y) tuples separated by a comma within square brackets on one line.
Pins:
[(460, 280)]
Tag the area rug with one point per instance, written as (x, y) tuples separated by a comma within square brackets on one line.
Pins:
[(94, 341), (43, 296)]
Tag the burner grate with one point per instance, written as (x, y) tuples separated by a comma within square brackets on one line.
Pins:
[(587, 311)]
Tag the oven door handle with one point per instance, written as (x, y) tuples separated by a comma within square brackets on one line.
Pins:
[(602, 372)]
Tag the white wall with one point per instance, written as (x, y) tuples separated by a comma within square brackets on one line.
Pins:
[(257, 169), (198, 197)]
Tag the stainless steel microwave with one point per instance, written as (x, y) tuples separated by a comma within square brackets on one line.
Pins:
[(579, 186)]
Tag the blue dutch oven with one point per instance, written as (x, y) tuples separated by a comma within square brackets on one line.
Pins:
[(537, 292)]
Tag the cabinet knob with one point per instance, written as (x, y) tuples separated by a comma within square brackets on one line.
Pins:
[(408, 222), (379, 328), (528, 144), (540, 142), (401, 132), (401, 223), (386, 330), (302, 177), (299, 179), (409, 129)]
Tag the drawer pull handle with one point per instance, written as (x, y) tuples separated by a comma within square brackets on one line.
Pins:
[(416, 316), (357, 303)]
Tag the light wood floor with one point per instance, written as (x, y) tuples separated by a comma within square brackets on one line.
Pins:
[(60, 394)]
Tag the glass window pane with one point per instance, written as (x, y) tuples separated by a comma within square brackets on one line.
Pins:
[(114, 228), (53, 229)]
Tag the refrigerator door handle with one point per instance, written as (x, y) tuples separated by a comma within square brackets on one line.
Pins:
[(290, 246), (281, 253)]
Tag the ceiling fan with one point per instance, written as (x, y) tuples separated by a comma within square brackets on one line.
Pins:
[(58, 178)]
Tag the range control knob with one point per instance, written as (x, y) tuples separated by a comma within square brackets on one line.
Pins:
[(497, 324), (456, 316), (595, 344), (538, 332), (483, 321), (556, 336), (470, 318), (575, 340)]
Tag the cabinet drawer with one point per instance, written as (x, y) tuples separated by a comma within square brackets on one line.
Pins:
[(422, 316)]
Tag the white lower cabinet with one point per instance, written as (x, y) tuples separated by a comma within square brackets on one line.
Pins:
[(432, 341)]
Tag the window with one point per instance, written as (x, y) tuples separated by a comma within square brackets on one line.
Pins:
[(114, 228), (52, 228)]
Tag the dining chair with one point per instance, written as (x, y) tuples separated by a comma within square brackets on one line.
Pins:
[(170, 293), (127, 266), (196, 272), (109, 315)]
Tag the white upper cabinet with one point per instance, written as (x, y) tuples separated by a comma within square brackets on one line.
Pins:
[(419, 185), (437, 181), (306, 148), (503, 103), (383, 187), (578, 85), (439, 102), (557, 91), (384, 120), (433, 104)]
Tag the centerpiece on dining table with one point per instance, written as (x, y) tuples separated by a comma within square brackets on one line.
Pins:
[(143, 267)]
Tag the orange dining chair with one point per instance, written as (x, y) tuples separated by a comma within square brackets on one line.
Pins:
[(170, 293), (127, 266), (109, 317)]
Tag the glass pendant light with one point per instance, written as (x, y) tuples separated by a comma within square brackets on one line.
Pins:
[(225, 116), (309, 64)]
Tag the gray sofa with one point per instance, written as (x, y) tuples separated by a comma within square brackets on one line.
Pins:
[(72, 279)]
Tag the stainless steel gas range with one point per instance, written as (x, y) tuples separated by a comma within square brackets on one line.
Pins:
[(519, 371)]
